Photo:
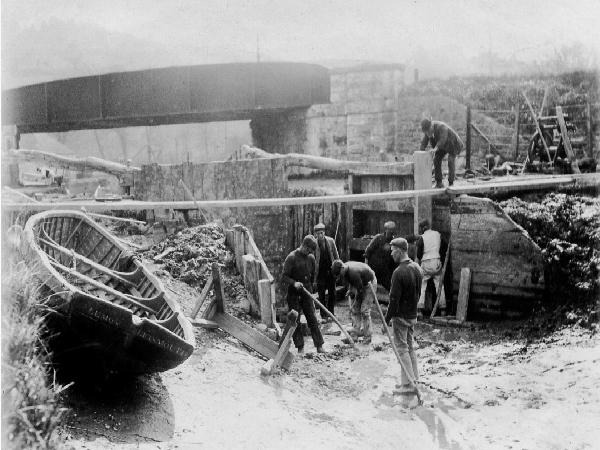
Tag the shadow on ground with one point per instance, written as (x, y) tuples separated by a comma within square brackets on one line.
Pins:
[(122, 410)]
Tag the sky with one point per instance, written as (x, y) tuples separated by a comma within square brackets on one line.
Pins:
[(444, 33)]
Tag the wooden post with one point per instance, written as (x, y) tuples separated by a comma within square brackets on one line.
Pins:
[(264, 299), (537, 127), (468, 140), (219, 294), (239, 248), (349, 218), (517, 112), (250, 277), (439, 291), (463, 294), (566, 140), (284, 345), (422, 206), (590, 134), (202, 297)]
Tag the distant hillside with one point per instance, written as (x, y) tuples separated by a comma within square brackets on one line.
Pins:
[(492, 100), (52, 51)]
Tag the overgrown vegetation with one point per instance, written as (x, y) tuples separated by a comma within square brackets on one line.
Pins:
[(30, 395), (567, 229), (502, 93)]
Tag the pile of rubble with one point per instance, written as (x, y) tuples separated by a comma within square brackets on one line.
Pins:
[(188, 255)]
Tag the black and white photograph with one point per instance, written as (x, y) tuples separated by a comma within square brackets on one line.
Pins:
[(279, 224)]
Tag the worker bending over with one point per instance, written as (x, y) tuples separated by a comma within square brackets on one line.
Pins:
[(362, 284), (298, 274)]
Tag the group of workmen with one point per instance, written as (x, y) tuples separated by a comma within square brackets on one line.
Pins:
[(316, 266)]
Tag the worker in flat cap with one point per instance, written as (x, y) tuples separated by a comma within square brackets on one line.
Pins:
[(402, 312), (298, 275), (377, 254), (324, 281), (361, 283), (444, 141)]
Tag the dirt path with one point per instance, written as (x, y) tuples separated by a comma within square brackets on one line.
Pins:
[(517, 394)]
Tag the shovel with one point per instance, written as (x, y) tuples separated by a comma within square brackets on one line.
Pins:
[(389, 335), (320, 305)]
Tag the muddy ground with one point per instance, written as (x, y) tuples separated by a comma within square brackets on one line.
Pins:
[(483, 387)]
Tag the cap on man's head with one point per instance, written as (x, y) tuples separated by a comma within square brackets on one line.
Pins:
[(389, 225), (336, 267), (310, 242), (425, 124), (401, 243), (424, 224), (319, 227)]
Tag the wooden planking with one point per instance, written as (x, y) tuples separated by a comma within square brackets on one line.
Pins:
[(483, 222), (251, 270), (463, 294), (504, 241), (250, 337), (498, 263), (505, 263)]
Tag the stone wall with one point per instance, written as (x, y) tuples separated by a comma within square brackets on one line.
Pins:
[(360, 122), (212, 181)]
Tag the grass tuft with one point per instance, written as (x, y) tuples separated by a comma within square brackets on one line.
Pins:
[(30, 397)]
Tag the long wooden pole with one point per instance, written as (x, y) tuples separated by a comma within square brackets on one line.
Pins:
[(391, 339), (590, 179), (89, 162), (590, 134), (319, 162), (468, 140), (537, 126), (441, 286), (337, 322)]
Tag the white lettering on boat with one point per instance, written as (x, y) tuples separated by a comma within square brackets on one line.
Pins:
[(142, 334)]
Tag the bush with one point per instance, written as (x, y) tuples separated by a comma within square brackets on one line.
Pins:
[(567, 229), (30, 399)]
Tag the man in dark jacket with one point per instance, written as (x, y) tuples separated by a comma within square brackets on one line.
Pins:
[(402, 311), (298, 273), (361, 283), (377, 255), (444, 141), (324, 280)]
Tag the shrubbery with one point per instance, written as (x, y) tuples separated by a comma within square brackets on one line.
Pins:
[(567, 228), (30, 395)]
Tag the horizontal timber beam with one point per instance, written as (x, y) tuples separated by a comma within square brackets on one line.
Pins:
[(526, 184)]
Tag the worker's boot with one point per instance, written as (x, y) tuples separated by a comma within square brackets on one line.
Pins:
[(321, 349)]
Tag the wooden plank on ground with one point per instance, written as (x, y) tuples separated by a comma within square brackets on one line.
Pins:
[(205, 323), (250, 337), (463, 294)]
